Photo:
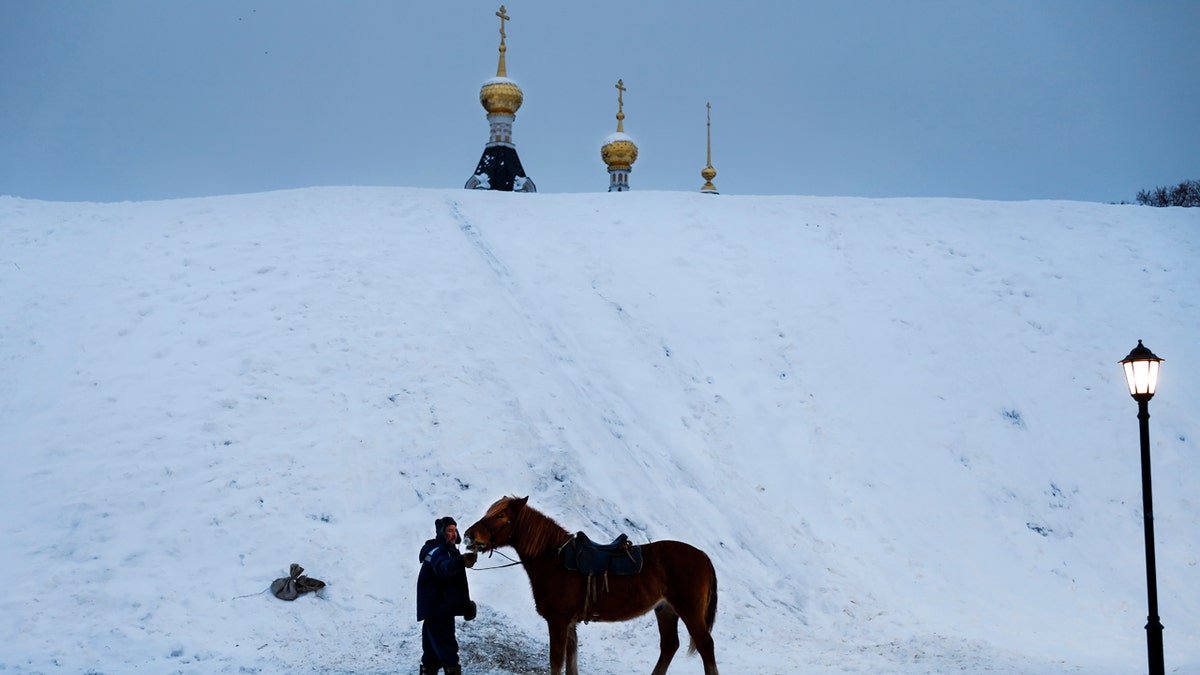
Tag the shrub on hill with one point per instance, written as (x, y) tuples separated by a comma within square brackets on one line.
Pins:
[(1186, 193)]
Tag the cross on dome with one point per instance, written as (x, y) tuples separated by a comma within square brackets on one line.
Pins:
[(503, 17)]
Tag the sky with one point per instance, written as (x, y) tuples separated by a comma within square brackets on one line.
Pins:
[(897, 427), (1009, 100)]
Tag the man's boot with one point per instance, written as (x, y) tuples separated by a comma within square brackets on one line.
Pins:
[(426, 670), (453, 670)]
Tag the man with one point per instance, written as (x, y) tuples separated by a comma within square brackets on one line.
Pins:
[(442, 594)]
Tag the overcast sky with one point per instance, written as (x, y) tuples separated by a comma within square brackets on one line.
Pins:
[(1004, 99)]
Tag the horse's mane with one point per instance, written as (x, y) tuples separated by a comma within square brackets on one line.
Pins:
[(537, 532)]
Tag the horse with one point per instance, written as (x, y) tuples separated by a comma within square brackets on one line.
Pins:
[(677, 581)]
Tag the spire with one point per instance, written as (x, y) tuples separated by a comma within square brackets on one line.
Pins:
[(500, 168), (621, 106), (708, 172), (501, 68), (619, 151)]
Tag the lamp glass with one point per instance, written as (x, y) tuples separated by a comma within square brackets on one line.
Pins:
[(1142, 376)]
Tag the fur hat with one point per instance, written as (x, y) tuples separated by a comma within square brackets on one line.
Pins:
[(441, 523)]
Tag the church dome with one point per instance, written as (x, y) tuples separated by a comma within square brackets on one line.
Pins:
[(499, 168), (619, 151), (501, 95)]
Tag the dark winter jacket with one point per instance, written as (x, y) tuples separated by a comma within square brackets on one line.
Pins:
[(442, 584)]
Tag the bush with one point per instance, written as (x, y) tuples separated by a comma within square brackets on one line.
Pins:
[(1186, 193)]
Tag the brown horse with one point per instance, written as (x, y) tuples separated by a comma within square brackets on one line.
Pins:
[(677, 581)]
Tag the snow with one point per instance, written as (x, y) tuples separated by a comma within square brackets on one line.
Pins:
[(898, 427), (617, 136)]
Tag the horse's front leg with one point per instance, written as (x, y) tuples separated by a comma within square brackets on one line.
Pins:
[(560, 639), (573, 650)]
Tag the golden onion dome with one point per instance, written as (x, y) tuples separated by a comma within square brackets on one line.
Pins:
[(619, 151), (501, 95)]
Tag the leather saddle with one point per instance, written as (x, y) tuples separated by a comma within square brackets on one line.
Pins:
[(620, 558)]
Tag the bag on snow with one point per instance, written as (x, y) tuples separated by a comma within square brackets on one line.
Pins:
[(291, 587)]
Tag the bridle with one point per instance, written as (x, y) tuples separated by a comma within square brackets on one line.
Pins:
[(492, 549)]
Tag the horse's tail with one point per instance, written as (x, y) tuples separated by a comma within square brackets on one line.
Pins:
[(710, 611), (710, 616)]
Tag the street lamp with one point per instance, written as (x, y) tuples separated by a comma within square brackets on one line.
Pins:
[(1141, 373)]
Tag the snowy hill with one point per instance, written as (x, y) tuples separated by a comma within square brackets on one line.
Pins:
[(898, 427)]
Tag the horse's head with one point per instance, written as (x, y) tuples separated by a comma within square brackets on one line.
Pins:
[(494, 529)]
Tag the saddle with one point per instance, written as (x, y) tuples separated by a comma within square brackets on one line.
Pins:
[(620, 558), (598, 561)]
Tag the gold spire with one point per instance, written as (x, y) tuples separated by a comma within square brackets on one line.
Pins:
[(620, 106), (501, 68), (501, 95), (709, 173)]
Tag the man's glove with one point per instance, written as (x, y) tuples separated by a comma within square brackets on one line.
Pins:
[(470, 558), (470, 613)]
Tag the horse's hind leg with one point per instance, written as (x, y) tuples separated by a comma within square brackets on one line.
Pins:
[(701, 640), (668, 636)]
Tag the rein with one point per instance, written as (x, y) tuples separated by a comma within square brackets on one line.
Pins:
[(497, 567)]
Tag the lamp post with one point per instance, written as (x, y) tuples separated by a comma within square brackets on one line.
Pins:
[(1141, 373)]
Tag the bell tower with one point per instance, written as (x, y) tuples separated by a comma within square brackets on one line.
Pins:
[(499, 168)]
